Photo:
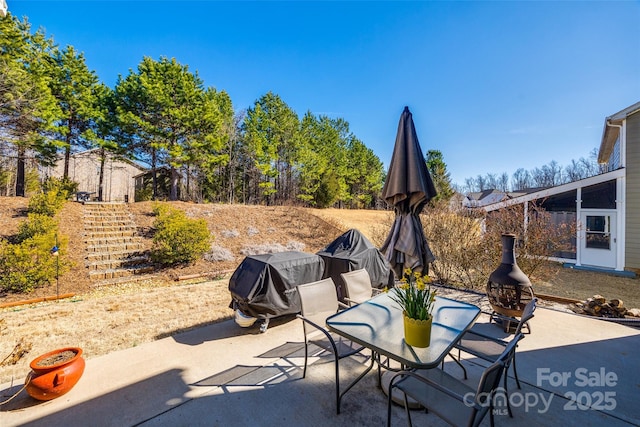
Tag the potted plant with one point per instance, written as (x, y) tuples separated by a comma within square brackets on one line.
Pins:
[(55, 373), (416, 298)]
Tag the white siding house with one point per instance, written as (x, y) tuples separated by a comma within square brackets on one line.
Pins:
[(606, 207)]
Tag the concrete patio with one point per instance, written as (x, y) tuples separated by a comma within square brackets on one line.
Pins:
[(222, 375)]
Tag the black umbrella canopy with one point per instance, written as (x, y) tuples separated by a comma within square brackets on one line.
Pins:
[(408, 188)]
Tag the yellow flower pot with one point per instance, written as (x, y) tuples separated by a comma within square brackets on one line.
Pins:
[(417, 333)]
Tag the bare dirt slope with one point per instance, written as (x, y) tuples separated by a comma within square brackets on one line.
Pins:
[(236, 228), (105, 319)]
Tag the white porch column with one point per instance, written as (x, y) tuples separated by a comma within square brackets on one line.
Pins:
[(579, 226), (621, 215)]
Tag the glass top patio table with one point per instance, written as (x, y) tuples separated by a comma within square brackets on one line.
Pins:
[(378, 324)]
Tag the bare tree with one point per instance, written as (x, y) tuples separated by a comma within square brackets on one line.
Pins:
[(520, 179), (502, 182)]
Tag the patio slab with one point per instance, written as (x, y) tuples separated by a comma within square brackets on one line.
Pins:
[(221, 375)]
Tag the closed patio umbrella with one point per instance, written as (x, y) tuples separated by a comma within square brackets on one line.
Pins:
[(408, 188)]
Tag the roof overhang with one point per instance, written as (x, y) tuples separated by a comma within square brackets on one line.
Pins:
[(611, 131), (552, 191)]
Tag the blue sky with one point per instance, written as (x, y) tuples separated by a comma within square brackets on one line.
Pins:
[(494, 86)]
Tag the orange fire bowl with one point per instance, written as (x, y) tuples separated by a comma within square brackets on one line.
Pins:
[(50, 381)]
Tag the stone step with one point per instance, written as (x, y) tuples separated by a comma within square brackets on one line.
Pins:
[(113, 255), (114, 250), (102, 235), (112, 264), (104, 206), (106, 214), (108, 221), (115, 247), (110, 240), (110, 229), (115, 273)]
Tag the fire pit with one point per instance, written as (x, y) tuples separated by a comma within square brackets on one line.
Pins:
[(508, 288)]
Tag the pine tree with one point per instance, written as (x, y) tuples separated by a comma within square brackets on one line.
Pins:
[(27, 108), (441, 178)]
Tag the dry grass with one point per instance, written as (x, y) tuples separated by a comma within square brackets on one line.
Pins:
[(111, 319), (101, 320)]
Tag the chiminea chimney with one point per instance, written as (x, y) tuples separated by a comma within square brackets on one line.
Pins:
[(508, 288)]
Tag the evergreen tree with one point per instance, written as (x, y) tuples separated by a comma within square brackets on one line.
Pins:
[(365, 174), (271, 128), (27, 108), (76, 89), (167, 113), (323, 161), (441, 177)]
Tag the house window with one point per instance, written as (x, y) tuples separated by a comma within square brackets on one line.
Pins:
[(598, 232)]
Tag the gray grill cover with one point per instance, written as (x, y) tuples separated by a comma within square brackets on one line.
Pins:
[(264, 286), (353, 251)]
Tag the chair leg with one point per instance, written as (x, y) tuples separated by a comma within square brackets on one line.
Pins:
[(406, 409), (491, 412), (338, 397), (515, 371), (389, 403), (378, 361), (464, 370), (306, 355), (506, 392)]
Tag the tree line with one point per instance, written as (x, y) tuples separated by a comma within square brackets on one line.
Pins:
[(549, 175), (163, 115)]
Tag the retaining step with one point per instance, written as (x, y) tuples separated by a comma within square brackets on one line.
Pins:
[(108, 228), (114, 250), (111, 264), (114, 273), (115, 247), (105, 217), (112, 240), (107, 234), (113, 255)]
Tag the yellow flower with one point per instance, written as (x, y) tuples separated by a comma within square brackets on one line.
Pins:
[(414, 297)]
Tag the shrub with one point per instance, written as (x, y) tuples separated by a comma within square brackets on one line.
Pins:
[(468, 245), (535, 242), (36, 224), (29, 264), (54, 193), (379, 232), (143, 194), (457, 242), (178, 239), (31, 181)]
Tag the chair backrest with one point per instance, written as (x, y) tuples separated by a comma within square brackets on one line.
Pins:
[(527, 314), (318, 300), (510, 350), (357, 285), (489, 381), (491, 376)]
